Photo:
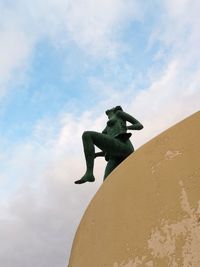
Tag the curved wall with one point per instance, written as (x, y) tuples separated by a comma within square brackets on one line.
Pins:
[(147, 212)]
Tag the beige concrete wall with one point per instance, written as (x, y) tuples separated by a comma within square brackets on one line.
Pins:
[(147, 213)]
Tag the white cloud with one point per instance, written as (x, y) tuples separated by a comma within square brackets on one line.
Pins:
[(45, 209), (94, 25), (41, 212), (173, 92), (91, 26), (15, 50)]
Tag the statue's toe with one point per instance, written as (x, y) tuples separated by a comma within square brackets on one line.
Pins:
[(81, 181)]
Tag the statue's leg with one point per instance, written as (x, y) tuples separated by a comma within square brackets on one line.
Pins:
[(89, 152), (111, 165), (108, 144)]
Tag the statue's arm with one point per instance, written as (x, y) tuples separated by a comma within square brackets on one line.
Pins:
[(135, 124), (105, 131)]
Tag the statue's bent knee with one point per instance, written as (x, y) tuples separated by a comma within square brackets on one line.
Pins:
[(87, 134)]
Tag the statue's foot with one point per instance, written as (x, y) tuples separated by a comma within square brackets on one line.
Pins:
[(85, 178)]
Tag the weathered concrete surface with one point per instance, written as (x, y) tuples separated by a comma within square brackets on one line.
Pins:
[(147, 213)]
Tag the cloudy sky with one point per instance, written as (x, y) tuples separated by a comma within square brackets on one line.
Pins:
[(62, 64)]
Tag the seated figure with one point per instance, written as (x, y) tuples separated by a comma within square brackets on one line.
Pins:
[(113, 142)]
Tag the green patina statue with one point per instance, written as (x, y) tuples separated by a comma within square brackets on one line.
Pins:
[(113, 141)]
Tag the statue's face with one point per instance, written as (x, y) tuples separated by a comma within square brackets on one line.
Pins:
[(110, 112)]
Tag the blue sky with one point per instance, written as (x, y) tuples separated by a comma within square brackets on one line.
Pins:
[(62, 64), (58, 75)]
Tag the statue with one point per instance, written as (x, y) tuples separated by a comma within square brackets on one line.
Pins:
[(113, 141)]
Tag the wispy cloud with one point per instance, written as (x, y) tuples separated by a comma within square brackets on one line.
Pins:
[(38, 207), (40, 204), (92, 27)]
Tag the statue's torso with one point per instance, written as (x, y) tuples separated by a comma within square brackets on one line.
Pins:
[(115, 126)]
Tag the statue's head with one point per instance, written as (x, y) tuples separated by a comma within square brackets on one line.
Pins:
[(113, 110)]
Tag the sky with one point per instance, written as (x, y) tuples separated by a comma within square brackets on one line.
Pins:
[(62, 64)]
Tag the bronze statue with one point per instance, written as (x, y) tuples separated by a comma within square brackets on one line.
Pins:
[(113, 141)]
